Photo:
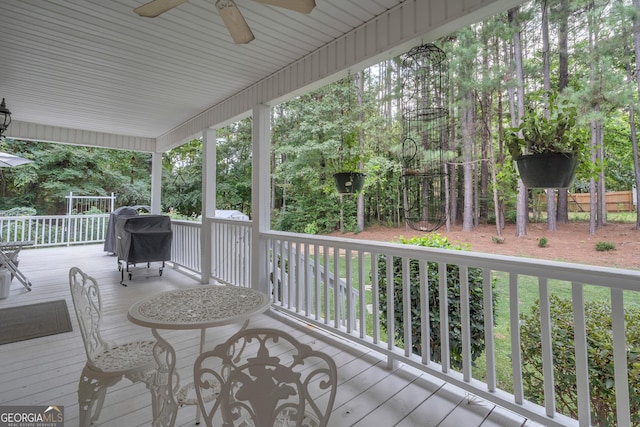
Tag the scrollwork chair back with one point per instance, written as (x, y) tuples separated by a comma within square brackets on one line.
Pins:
[(107, 363), (265, 378)]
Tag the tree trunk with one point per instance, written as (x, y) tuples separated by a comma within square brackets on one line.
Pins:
[(359, 77), (546, 78), (273, 180), (602, 191), (592, 182), (634, 136), (562, 210), (486, 146), (499, 208), (453, 182), (522, 214), (467, 219), (596, 199)]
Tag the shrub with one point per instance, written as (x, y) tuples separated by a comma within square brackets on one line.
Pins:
[(19, 211), (600, 358), (497, 240), (542, 243), (453, 297), (605, 246)]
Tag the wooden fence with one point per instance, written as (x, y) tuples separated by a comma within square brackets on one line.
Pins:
[(617, 201)]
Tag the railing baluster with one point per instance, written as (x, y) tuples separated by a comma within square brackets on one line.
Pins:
[(361, 295), (425, 323), (489, 338), (445, 354), (516, 354), (623, 410), (347, 291), (391, 326), (375, 297), (406, 306), (465, 323), (336, 288), (582, 364), (307, 280), (317, 280), (325, 274), (547, 347)]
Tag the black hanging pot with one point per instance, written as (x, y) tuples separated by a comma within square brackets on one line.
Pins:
[(547, 170), (349, 182)]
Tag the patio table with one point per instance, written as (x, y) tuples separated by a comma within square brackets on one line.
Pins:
[(199, 307)]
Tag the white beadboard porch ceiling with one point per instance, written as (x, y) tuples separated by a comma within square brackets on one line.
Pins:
[(95, 65)]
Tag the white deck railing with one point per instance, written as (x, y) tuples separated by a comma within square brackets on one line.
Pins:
[(54, 230), (357, 261), (307, 269)]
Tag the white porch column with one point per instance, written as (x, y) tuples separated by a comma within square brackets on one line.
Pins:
[(156, 183), (260, 206), (208, 201)]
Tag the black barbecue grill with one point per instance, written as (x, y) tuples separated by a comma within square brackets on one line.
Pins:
[(142, 239)]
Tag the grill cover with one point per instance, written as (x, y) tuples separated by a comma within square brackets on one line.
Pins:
[(144, 238), (110, 238)]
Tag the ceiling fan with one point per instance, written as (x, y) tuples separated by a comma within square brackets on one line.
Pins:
[(231, 16)]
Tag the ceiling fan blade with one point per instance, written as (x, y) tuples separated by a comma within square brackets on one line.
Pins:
[(234, 21), (157, 7), (302, 6)]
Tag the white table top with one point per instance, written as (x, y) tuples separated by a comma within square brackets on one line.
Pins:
[(199, 307)]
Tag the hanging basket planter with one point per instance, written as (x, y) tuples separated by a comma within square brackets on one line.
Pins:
[(547, 170), (349, 182)]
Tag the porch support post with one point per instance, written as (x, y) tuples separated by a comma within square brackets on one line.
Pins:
[(156, 182), (208, 201), (260, 203)]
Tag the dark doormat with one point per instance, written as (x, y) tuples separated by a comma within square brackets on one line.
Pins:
[(34, 320)]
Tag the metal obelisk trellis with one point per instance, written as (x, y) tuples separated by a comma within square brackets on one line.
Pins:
[(425, 113)]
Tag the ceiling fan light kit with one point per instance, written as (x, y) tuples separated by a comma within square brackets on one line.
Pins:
[(229, 12)]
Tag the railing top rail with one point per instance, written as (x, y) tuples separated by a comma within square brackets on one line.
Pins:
[(40, 217), (595, 275), (239, 222), (89, 197)]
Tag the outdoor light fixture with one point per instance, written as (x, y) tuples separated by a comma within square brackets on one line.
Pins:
[(5, 118)]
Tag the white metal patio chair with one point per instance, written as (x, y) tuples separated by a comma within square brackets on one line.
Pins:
[(265, 378), (107, 363)]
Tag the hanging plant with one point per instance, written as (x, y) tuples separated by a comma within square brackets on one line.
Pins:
[(349, 179), (546, 148)]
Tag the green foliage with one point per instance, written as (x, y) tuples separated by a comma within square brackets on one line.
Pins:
[(604, 246), (600, 358), (19, 211), (538, 134), (58, 169), (497, 240), (542, 243), (435, 240), (311, 228)]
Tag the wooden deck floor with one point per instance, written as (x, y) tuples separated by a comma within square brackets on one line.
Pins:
[(45, 371)]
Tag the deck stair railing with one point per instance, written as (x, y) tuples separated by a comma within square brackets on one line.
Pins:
[(295, 262)]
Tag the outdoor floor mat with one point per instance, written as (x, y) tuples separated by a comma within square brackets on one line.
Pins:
[(34, 320)]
